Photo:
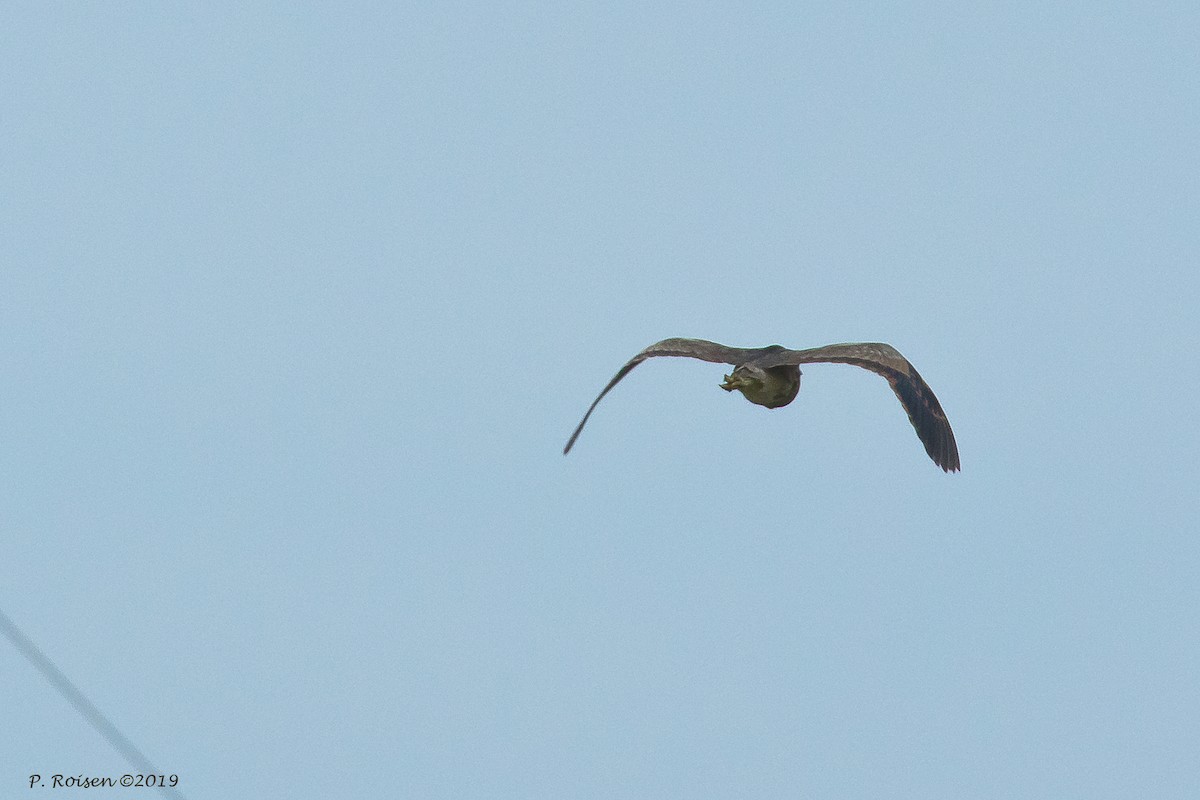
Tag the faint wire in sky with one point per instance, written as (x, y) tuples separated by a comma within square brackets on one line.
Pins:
[(93, 715)]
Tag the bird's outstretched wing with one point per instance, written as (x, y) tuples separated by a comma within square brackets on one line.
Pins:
[(919, 401), (686, 348)]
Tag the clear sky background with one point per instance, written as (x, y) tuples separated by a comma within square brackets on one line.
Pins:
[(299, 304)]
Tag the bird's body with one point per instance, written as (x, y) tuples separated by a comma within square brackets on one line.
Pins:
[(770, 377), (773, 387)]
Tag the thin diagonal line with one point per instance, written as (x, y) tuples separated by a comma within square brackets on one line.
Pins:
[(94, 716)]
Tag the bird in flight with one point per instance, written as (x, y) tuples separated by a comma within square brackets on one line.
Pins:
[(770, 376)]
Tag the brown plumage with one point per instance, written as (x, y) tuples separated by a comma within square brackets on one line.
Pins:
[(770, 376)]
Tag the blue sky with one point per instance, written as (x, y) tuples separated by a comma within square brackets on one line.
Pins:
[(299, 305)]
